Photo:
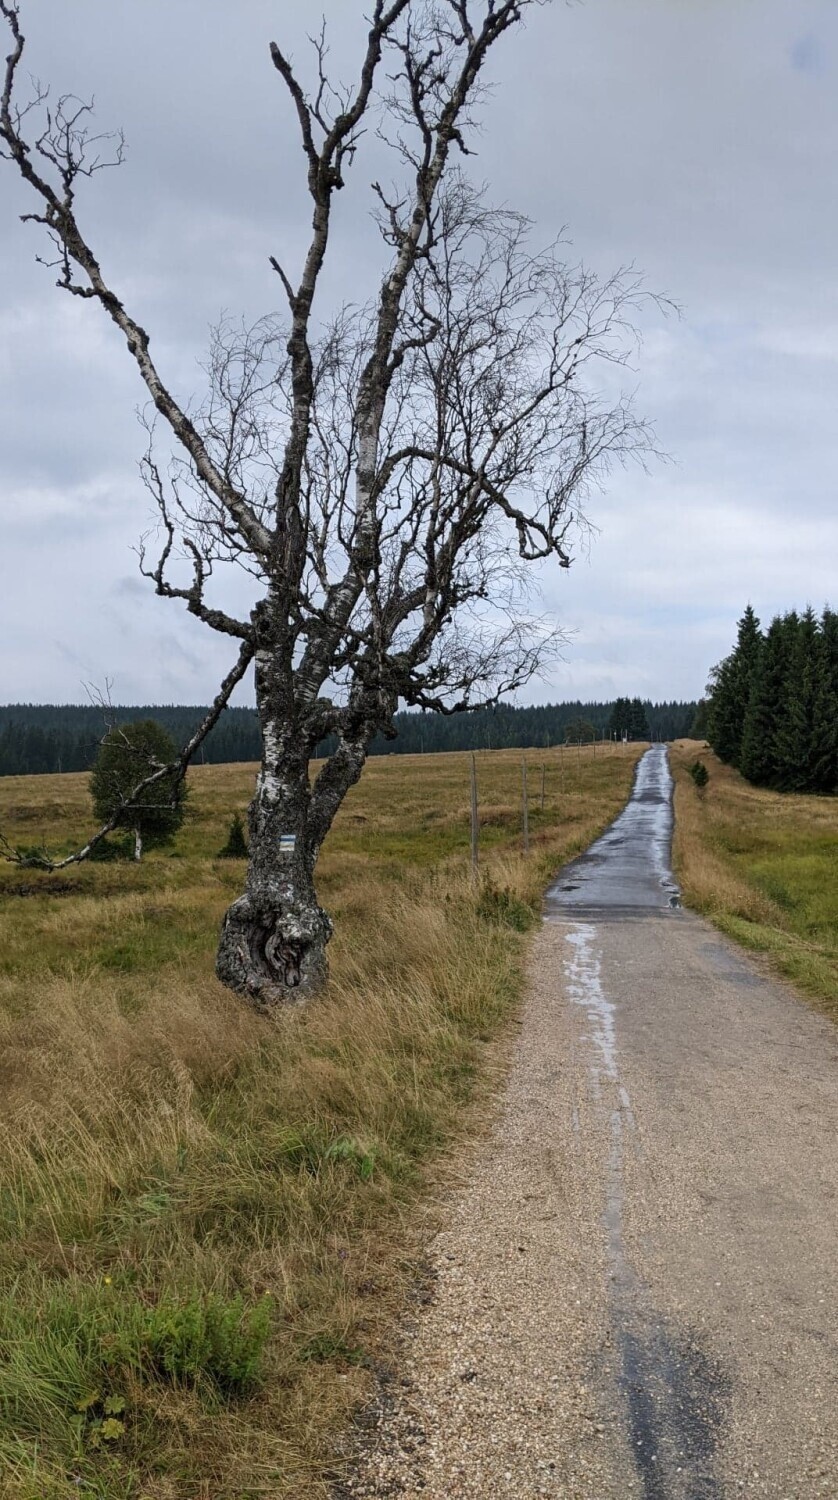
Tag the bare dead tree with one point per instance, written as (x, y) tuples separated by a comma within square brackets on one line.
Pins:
[(387, 477)]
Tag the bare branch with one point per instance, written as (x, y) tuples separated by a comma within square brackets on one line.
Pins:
[(194, 596)]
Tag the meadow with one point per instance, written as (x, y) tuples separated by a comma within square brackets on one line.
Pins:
[(763, 866), (210, 1221)]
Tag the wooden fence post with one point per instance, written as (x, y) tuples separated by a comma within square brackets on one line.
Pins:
[(524, 808)]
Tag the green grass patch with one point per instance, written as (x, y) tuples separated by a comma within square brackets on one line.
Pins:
[(764, 867)]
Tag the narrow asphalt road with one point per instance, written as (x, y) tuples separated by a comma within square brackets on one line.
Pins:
[(633, 1294)]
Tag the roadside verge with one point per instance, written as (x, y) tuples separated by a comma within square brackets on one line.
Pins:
[(762, 867)]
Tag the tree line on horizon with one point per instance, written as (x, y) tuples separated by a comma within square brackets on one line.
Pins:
[(772, 708), (629, 720), (37, 739)]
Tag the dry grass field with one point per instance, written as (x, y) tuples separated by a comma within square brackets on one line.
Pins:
[(208, 1220), (763, 866)]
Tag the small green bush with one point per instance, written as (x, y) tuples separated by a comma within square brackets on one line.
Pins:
[(236, 845), (699, 773), (65, 1369), (208, 1336), (499, 905)]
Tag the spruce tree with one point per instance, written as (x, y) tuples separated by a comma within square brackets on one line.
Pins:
[(733, 680), (792, 733), (748, 652), (758, 756), (638, 722), (699, 724), (811, 693), (619, 718), (236, 845), (721, 710), (823, 749), (823, 717)]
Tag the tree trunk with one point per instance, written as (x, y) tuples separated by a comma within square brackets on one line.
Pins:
[(273, 939)]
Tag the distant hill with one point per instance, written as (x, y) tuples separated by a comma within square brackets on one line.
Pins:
[(41, 738)]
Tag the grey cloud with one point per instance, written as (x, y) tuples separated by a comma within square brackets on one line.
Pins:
[(806, 54), (131, 587), (696, 139)]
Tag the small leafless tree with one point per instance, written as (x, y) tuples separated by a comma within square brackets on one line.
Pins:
[(386, 477)]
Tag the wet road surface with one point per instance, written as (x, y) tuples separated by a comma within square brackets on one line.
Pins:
[(628, 868), (634, 1290)]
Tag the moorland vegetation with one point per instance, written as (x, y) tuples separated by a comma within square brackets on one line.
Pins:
[(209, 1219)]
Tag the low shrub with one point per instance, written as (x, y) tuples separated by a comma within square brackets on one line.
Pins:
[(236, 845), (500, 905), (89, 1343), (699, 774), (206, 1337)]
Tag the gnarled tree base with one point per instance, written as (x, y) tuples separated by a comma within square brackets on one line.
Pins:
[(274, 956)]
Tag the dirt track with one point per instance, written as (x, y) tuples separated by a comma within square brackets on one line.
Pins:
[(634, 1293)]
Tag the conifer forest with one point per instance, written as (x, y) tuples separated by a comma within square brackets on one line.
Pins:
[(38, 739), (773, 702)]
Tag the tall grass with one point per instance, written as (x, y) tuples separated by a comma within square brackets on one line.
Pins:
[(207, 1218), (763, 866)]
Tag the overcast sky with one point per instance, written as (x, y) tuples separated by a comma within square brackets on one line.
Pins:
[(697, 139)]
